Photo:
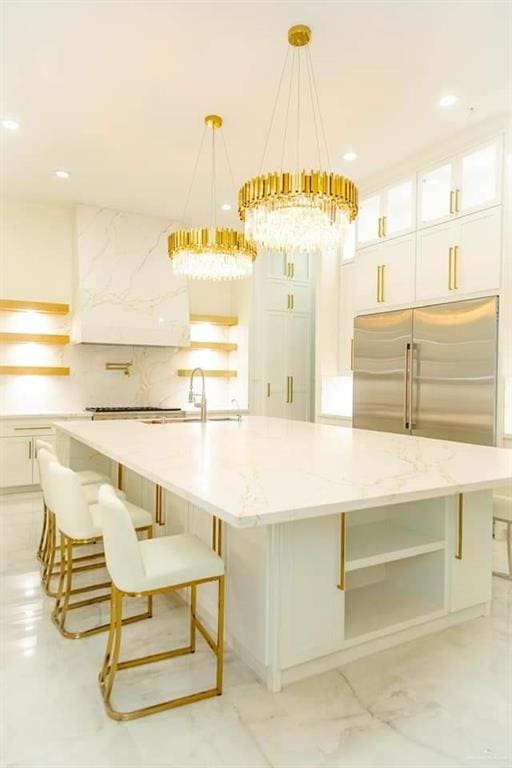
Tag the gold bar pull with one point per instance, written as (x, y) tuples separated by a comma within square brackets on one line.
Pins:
[(268, 388), (455, 266), (450, 268), (292, 269), (120, 476), (343, 549), (460, 526), (286, 269), (351, 354), (378, 283), (30, 449), (289, 301), (382, 268), (291, 389), (457, 201), (287, 389), (384, 226), (158, 505), (452, 201)]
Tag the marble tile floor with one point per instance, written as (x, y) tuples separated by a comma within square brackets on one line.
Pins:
[(443, 700)]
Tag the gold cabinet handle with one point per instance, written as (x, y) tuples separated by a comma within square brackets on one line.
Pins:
[(378, 283), (290, 270), (384, 226), (290, 301), (455, 267), (287, 389), (120, 476), (382, 268), (460, 526), (379, 227), (268, 388), (291, 389), (351, 354), (343, 549), (30, 449), (287, 301), (450, 268), (29, 429), (452, 201), (158, 505), (293, 301), (457, 201)]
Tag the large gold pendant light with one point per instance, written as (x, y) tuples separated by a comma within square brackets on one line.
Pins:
[(211, 253), (298, 210)]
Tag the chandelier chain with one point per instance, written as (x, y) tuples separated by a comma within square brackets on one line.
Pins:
[(313, 110), (274, 109), (213, 194), (298, 109), (285, 132), (228, 163), (194, 174), (320, 117)]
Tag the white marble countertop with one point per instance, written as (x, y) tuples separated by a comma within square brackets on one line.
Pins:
[(46, 415), (265, 471)]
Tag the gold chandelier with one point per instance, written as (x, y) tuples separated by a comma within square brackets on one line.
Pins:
[(210, 253), (297, 210)]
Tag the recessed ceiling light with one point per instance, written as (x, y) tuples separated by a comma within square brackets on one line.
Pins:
[(11, 125), (448, 101), (225, 207), (349, 156), (62, 174)]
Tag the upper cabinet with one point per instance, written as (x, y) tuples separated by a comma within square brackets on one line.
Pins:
[(125, 291), (387, 214), (464, 183)]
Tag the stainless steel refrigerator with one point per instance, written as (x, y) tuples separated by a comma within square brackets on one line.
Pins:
[(429, 371)]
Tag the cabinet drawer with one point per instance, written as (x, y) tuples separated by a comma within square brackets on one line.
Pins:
[(26, 427), (288, 296)]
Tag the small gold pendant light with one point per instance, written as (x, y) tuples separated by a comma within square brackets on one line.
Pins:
[(211, 253), (298, 210)]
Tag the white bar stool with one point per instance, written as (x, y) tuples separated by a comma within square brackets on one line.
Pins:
[(50, 547), (144, 568), (78, 524), (86, 477), (502, 513)]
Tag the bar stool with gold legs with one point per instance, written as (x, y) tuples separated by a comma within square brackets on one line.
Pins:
[(50, 546), (78, 524), (145, 568)]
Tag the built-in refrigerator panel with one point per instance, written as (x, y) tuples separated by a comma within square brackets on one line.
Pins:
[(382, 345), (453, 369)]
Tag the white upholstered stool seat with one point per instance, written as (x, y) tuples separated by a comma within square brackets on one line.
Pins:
[(85, 476), (148, 567), (78, 523)]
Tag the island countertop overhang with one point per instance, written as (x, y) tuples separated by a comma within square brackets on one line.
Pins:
[(265, 471)]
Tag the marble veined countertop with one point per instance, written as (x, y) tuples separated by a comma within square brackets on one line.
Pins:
[(265, 471)]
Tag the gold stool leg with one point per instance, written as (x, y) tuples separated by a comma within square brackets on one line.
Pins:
[(220, 635), (42, 541), (193, 611)]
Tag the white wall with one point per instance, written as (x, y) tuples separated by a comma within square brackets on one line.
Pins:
[(36, 263)]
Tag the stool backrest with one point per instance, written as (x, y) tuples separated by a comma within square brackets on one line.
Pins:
[(69, 502), (122, 549), (44, 458), (44, 445)]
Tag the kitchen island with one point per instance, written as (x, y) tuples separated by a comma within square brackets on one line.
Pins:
[(338, 542)]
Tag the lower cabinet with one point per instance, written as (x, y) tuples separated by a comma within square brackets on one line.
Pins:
[(16, 461), (384, 275), (470, 556)]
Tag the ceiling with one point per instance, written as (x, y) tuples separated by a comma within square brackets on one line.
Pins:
[(116, 91)]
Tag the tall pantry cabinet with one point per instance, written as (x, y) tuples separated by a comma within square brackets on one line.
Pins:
[(281, 337)]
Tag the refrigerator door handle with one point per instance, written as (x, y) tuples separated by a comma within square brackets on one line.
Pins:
[(406, 385), (411, 385)]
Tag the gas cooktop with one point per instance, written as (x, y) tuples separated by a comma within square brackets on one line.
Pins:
[(130, 411)]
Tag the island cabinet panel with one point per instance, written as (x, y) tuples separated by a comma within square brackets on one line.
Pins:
[(311, 605), (469, 531)]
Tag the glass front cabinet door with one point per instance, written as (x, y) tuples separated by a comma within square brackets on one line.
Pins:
[(388, 213)]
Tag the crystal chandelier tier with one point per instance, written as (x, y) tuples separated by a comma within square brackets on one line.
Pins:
[(211, 253), (298, 211)]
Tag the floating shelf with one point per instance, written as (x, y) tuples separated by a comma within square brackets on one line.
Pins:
[(39, 338), (226, 320), (32, 370), (385, 541), (51, 308), (221, 346), (185, 372)]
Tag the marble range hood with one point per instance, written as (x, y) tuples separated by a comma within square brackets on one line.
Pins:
[(124, 289)]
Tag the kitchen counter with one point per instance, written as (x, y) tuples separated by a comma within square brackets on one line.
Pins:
[(339, 542), (265, 471)]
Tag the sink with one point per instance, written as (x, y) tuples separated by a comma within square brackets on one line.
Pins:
[(185, 420)]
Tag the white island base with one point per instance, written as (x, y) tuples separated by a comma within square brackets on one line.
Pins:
[(409, 569)]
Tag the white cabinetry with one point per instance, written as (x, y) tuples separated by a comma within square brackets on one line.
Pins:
[(16, 461), (281, 376), (346, 317), (389, 213), (460, 257), (384, 275), (464, 183), (471, 571)]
